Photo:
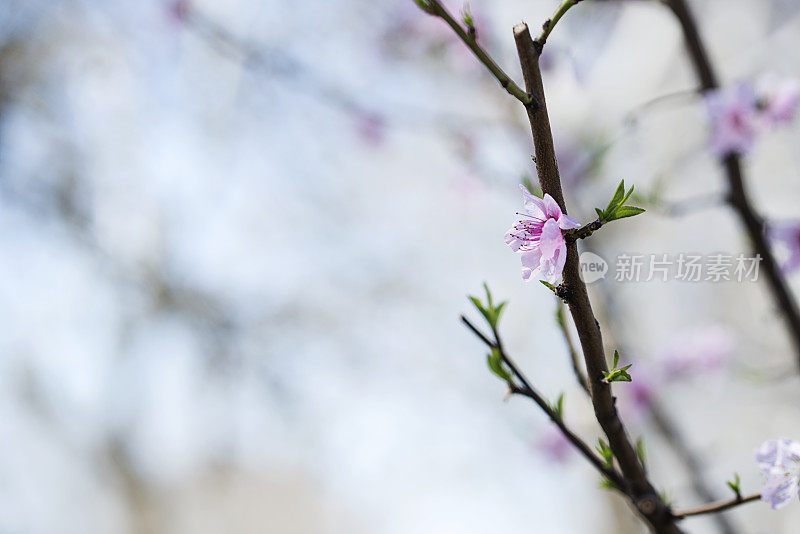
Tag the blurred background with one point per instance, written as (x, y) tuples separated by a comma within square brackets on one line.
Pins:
[(237, 237)]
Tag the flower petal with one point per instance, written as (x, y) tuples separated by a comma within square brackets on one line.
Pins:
[(565, 222), (551, 207), (533, 204), (779, 490), (531, 263), (551, 239)]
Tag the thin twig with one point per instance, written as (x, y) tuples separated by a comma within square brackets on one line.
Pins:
[(434, 7), (574, 357), (738, 197), (550, 23), (527, 390), (690, 205), (715, 507)]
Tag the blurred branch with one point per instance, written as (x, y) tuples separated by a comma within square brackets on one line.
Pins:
[(642, 493), (685, 94), (278, 63), (574, 358), (716, 507), (434, 7), (738, 197), (525, 389)]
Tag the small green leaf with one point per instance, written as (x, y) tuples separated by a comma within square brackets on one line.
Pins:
[(466, 16), (616, 200), (488, 295), (605, 453), (426, 6), (548, 285), (497, 311), (627, 196), (487, 313), (617, 375), (600, 214), (476, 302), (495, 362), (607, 484), (734, 485), (627, 211), (558, 406)]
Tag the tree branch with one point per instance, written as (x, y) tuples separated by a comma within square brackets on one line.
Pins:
[(526, 390), (550, 23), (715, 507), (738, 197), (434, 7), (642, 492), (583, 232)]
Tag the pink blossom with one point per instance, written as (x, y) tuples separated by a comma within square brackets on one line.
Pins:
[(636, 398), (554, 445), (537, 236), (779, 462), (733, 119), (179, 10), (698, 351), (371, 128), (787, 235), (777, 100)]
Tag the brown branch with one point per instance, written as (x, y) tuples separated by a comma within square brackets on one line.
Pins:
[(738, 197), (642, 492), (583, 232), (434, 7), (527, 390), (715, 507)]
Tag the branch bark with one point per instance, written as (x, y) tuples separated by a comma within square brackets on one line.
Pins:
[(641, 491), (716, 507), (738, 196)]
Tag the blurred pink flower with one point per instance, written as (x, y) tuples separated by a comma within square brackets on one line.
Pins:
[(371, 128), (777, 100), (537, 236), (733, 119), (699, 351), (787, 235), (554, 446), (636, 398), (779, 462), (412, 32), (179, 10)]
